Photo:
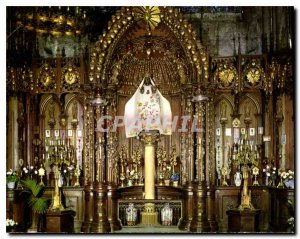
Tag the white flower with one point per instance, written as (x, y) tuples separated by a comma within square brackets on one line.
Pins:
[(70, 167), (31, 167), (274, 168), (10, 223), (24, 169), (35, 172), (268, 174), (273, 172), (268, 166), (284, 175), (65, 170), (264, 170)]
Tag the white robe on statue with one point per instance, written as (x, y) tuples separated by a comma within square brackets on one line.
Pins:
[(147, 111)]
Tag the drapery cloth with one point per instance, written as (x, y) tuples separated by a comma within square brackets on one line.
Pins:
[(147, 110)]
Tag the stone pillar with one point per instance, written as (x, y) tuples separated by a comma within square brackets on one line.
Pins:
[(149, 216)]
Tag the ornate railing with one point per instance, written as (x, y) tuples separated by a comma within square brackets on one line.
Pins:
[(175, 205)]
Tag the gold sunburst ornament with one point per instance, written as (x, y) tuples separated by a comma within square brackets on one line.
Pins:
[(253, 76), (151, 15), (226, 76)]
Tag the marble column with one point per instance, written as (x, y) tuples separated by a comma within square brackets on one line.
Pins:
[(149, 138), (149, 216)]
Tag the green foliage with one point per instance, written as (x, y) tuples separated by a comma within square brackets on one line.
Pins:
[(36, 201), (291, 220), (11, 176)]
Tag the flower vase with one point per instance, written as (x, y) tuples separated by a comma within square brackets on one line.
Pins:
[(238, 179), (167, 182), (267, 181), (129, 183), (11, 185), (290, 183)]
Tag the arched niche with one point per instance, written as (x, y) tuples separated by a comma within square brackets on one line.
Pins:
[(133, 46), (249, 107)]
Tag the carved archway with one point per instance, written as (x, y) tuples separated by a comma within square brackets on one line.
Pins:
[(163, 45)]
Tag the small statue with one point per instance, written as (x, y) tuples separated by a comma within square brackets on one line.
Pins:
[(51, 110), (74, 110), (223, 110), (247, 110)]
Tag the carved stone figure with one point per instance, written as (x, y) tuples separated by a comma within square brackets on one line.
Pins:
[(247, 110), (223, 110), (51, 110), (74, 110)]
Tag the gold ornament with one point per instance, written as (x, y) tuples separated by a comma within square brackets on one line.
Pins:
[(236, 123), (46, 80), (224, 172), (70, 76), (226, 76), (151, 15), (253, 76)]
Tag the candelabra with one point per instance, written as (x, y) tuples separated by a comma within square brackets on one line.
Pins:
[(159, 154), (136, 159), (123, 157), (57, 156), (77, 170), (244, 154)]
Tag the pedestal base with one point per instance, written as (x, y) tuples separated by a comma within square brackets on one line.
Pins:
[(243, 220), (149, 218), (60, 221)]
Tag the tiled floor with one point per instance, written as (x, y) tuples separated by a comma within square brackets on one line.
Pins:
[(150, 230)]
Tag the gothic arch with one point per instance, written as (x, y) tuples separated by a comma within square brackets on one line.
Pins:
[(128, 17), (252, 100), (225, 98)]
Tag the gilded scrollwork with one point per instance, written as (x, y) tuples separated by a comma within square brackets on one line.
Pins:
[(46, 78), (70, 77)]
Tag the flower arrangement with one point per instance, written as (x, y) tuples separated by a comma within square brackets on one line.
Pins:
[(175, 177), (167, 172), (29, 171), (289, 175), (287, 178), (11, 176), (270, 172), (11, 223)]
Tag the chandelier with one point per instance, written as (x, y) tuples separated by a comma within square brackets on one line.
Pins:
[(56, 21)]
